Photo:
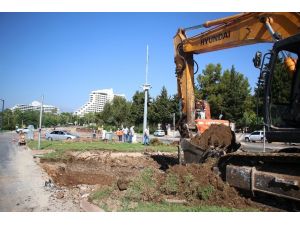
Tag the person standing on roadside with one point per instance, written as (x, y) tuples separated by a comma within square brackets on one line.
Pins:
[(119, 133), (125, 134), (131, 134), (146, 136)]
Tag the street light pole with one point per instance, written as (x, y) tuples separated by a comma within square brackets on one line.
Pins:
[(146, 88), (2, 114), (40, 127)]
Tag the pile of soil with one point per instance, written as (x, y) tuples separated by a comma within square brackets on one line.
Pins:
[(203, 179), (218, 137), (215, 136)]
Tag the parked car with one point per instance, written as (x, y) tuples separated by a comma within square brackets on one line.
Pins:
[(60, 135), (24, 130), (255, 136), (159, 133)]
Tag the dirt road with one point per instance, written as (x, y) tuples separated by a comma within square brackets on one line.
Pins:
[(22, 183)]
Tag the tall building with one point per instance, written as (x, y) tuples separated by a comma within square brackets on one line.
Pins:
[(35, 105), (97, 101)]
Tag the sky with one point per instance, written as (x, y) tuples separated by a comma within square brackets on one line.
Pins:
[(65, 56)]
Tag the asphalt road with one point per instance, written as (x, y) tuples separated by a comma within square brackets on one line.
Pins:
[(259, 146), (247, 146), (22, 182)]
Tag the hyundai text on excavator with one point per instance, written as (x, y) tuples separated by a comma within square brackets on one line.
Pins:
[(275, 172)]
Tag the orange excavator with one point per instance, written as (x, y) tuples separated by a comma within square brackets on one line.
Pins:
[(276, 172), (233, 31)]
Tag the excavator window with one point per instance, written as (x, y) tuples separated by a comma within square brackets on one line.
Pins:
[(282, 95)]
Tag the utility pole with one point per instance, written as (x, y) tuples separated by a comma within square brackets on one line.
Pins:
[(40, 127), (146, 88), (2, 114)]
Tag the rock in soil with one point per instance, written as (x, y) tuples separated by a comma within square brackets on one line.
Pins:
[(123, 184), (60, 195)]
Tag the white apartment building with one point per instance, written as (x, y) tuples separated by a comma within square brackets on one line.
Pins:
[(97, 101), (35, 105)]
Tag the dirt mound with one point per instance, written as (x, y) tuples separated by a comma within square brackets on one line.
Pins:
[(198, 184)]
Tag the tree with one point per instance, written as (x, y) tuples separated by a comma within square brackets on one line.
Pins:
[(8, 122), (236, 96), (120, 111), (227, 93), (137, 108), (18, 117), (30, 117), (208, 88), (89, 118), (174, 106), (107, 115), (162, 108), (99, 119), (49, 120)]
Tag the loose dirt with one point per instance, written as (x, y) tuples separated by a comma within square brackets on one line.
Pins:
[(200, 185), (191, 184)]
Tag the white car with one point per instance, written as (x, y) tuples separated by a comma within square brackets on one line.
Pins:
[(23, 130), (159, 133), (60, 135), (255, 136)]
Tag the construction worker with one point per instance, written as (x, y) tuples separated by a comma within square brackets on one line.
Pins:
[(119, 133)]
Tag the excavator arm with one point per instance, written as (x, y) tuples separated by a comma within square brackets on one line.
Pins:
[(233, 31)]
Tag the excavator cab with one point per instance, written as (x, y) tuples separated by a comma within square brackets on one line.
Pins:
[(280, 76)]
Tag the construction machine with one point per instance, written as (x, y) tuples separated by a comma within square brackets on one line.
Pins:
[(276, 172)]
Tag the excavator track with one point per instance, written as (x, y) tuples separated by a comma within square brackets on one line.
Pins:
[(274, 173)]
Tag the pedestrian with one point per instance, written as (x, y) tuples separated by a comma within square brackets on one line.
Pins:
[(146, 136), (120, 135), (131, 134), (103, 134), (125, 134)]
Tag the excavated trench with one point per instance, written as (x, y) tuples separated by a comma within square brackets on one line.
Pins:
[(109, 169), (96, 167)]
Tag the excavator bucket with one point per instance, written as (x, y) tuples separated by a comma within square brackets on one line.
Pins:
[(191, 152), (216, 141)]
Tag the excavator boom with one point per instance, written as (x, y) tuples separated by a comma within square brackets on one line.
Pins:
[(233, 31)]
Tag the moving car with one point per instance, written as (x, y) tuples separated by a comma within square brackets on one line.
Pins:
[(255, 136), (159, 133), (60, 135)]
